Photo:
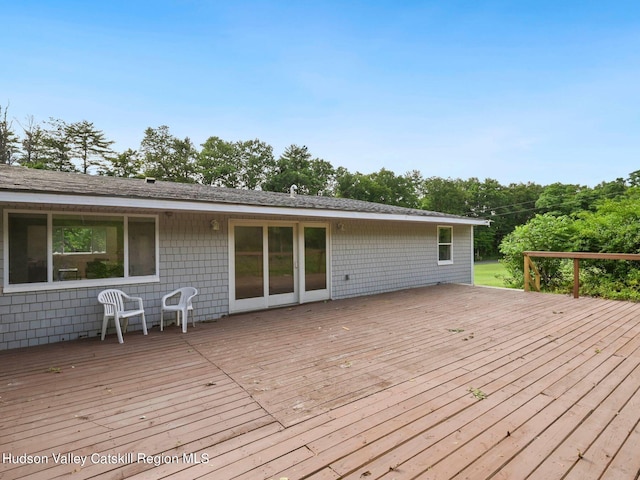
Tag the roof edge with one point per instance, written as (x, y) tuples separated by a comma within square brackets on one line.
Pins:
[(230, 208)]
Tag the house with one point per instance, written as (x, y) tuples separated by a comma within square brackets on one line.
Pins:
[(67, 236)]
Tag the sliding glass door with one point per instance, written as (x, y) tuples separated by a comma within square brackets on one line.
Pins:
[(263, 269), (274, 264)]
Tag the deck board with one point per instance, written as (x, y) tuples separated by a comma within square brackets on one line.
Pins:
[(376, 387)]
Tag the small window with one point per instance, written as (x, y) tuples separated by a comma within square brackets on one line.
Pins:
[(445, 245)]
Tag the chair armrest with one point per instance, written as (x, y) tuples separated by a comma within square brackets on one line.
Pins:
[(135, 299), (191, 297), (168, 296)]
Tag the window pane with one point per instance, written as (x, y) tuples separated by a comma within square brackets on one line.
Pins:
[(79, 240), (315, 258), (27, 248), (248, 262), (444, 252), (87, 247), (280, 260), (444, 235), (142, 246)]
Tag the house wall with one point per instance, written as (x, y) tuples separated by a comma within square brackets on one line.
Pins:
[(380, 257), (376, 257), (190, 254)]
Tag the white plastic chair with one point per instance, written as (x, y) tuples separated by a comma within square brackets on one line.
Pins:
[(114, 302), (181, 308)]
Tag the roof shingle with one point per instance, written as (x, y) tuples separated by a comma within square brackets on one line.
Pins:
[(27, 180)]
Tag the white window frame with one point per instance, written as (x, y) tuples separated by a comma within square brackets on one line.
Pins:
[(83, 283), (439, 244)]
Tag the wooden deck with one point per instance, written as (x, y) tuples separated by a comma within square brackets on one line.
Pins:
[(433, 383)]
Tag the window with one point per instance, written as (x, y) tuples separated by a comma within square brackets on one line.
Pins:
[(87, 247), (52, 249), (445, 245)]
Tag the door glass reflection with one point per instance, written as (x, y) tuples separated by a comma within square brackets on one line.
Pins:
[(280, 260), (249, 262), (315, 258)]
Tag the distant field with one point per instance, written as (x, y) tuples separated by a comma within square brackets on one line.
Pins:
[(487, 273)]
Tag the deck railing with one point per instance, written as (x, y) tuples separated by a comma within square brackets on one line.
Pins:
[(529, 266)]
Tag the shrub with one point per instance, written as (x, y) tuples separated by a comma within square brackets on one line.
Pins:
[(542, 233)]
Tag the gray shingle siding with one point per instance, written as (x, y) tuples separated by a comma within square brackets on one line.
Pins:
[(381, 257), (191, 253)]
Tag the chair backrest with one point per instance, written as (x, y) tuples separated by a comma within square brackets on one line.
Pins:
[(186, 294), (112, 301)]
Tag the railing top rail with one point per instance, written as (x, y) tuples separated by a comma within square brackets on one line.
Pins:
[(585, 255)]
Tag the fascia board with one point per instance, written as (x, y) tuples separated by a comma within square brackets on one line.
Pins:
[(211, 207)]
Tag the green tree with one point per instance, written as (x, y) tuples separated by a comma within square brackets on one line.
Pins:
[(545, 232), (57, 148), (33, 148), (445, 195), (257, 161), (126, 164), (506, 207), (9, 141), (402, 189), (312, 176), (383, 186), (242, 164), (87, 144), (166, 157), (359, 186), (614, 227), (563, 199), (634, 178), (219, 163), (484, 197), (610, 190)]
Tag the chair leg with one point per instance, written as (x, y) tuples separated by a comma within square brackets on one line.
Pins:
[(144, 325), (105, 320), (118, 330), (184, 321), (161, 320)]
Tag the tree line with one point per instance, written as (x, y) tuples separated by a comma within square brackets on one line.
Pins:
[(55, 144)]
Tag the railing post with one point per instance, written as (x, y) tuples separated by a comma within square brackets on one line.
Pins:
[(575, 256)]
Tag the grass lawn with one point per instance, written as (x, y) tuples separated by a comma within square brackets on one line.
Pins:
[(489, 273)]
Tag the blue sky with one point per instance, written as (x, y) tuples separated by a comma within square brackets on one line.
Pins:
[(517, 91)]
